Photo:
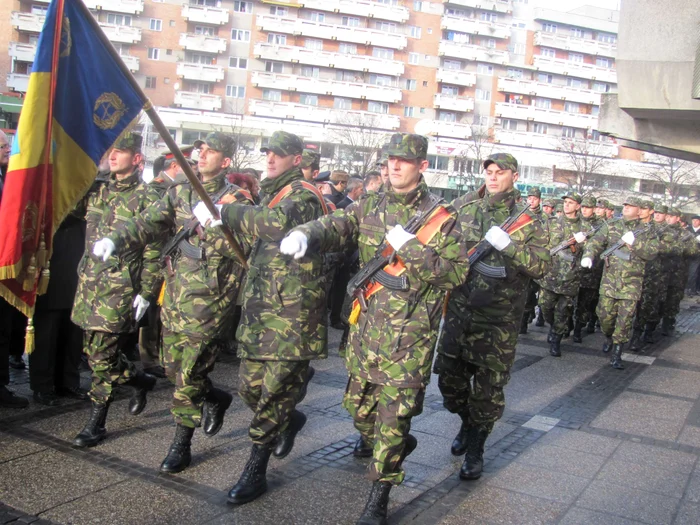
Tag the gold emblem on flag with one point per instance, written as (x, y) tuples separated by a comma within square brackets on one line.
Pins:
[(108, 111), (66, 40), (30, 218)]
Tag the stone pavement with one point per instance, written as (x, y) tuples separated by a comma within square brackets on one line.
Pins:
[(580, 443)]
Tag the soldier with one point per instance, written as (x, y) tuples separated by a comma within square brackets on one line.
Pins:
[(600, 209), (548, 208), (383, 166), (621, 284), (561, 283), (668, 251), (393, 333), (534, 198), (484, 313), (113, 296), (310, 164), (558, 210), (609, 210)]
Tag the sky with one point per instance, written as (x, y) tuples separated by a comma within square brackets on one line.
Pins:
[(568, 5)]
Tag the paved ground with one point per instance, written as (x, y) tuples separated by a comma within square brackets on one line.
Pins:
[(580, 443)]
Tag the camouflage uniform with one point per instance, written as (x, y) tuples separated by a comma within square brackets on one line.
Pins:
[(392, 343), (283, 322), (106, 290), (589, 282), (534, 287)]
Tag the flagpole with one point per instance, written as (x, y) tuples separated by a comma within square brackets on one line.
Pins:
[(164, 134)]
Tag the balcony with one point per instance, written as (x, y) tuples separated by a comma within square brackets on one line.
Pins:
[(546, 116), (205, 14), (551, 142), (321, 86), (18, 82), (27, 21), (302, 55), (200, 72), (440, 128), (456, 77), (131, 62), (357, 35), (22, 52), (475, 27), (361, 8), (574, 69), (122, 34), (449, 103), (581, 45), (265, 108), (204, 43), (192, 100), (133, 7), (472, 52), (500, 6), (541, 89)]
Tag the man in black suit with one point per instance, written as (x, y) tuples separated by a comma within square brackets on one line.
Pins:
[(355, 188)]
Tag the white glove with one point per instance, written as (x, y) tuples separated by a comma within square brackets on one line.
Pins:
[(103, 248), (587, 262), (580, 237), (628, 238), (295, 243), (697, 238), (141, 306), (497, 238), (397, 237), (205, 218)]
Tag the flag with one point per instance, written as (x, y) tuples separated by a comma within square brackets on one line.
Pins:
[(80, 99)]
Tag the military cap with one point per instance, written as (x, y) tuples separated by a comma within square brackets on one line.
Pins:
[(695, 218), (548, 202), (609, 205), (383, 158), (534, 192), (130, 141), (559, 207), (661, 208), (588, 201), (408, 146), (601, 203), (573, 196), (324, 176), (674, 211), (505, 161), (220, 141), (633, 201), (309, 157), (647, 204), (168, 155), (284, 143), (252, 171)]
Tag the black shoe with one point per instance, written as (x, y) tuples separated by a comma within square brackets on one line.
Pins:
[(550, 336), (309, 376), (648, 336), (215, 406), (253, 482), (285, 441), (362, 449), (8, 399), (94, 430), (540, 319), (17, 362), (607, 346), (590, 327), (459, 445), (523, 324), (72, 392), (179, 456), (48, 399), (377, 505), (555, 345), (667, 325), (473, 464), (616, 359), (142, 384), (156, 371), (578, 336), (636, 343)]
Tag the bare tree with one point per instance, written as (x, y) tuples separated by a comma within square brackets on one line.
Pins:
[(586, 159), (678, 179), (360, 140), (468, 163), (247, 154)]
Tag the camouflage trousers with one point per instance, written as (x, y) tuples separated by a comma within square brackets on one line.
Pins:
[(557, 309), (109, 365), (531, 300), (150, 348), (647, 306), (616, 318), (383, 415), (672, 304), (584, 310), (662, 292), (271, 390), (188, 361)]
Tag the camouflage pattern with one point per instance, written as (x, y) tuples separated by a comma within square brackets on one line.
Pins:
[(382, 414), (588, 201), (616, 316), (686, 246), (654, 279), (633, 201), (309, 158), (661, 208), (564, 273), (108, 363), (283, 144), (222, 142), (383, 158), (557, 309), (271, 389), (505, 161), (129, 141), (534, 192), (589, 282), (573, 196), (586, 303), (408, 146), (590, 278)]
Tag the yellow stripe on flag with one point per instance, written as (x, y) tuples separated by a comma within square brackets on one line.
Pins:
[(31, 131)]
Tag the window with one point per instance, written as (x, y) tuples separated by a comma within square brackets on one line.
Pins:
[(455, 36), (572, 107), (310, 71), (413, 58), (425, 83), (509, 124), (342, 103), (568, 132), (484, 69), (381, 80), (595, 111), (490, 43), (409, 111), (438, 162), (577, 32), (576, 57), (381, 52), (548, 52), (488, 16), (549, 28), (545, 78), (450, 91), (607, 38), (347, 49), (172, 23), (150, 82), (277, 10), (243, 7), (119, 20), (308, 100), (603, 62), (314, 44), (204, 30), (199, 59), (277, 39), (350, 21), (601, 87), (576, 83), (274, 67), (519, 49), (411, 84), (377, 107), (483, 94), (543, 103), (235, 91), (238, 63), (417, 5), (199, 87), (452, 65), (388, 2), (317, 17), (274, 95), (153, 53), (514, 73), (347, 76), (155, 24), (241, 35), (540, 128), (414, 31), (387, 27)]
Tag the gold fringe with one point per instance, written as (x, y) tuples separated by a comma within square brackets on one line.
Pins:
[(11, 272), (44, 281), (15, 301), (41, 253), (29, 337), (29, 282)]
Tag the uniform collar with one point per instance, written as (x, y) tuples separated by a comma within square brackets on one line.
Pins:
[(127, 183), (271, 186), (504, 199), (410, 198)]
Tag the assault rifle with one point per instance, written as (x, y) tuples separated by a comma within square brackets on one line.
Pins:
[(615, 248), (570, 242), (374, 269)]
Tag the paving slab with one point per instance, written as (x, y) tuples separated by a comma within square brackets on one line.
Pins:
[(669, 381), (688, 514), (558, 459), (643, 477), (527, 479), (580, 441), (13, 447), (655, 457), (579, 516)]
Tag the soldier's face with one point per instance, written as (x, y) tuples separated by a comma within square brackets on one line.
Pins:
[(278, 164), (547, 209), (499, 180), (587, 212), (534, 202), (630, 212), (404, 174), (659, 217), (123, 161), (645, 213), (211, 162), (609, 213), (571, 207), (672, 219), (384, 172), (309, 173), (599, 212)]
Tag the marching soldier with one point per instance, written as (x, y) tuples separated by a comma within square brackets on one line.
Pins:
[(310, 164), (548, 208), (534, 198), (483, 314), (112, 296), (609, 210), (629, 245)]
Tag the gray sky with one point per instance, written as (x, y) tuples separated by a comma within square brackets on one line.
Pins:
[(568, 5)]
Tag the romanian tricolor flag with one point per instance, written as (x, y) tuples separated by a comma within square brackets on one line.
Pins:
[(80, 99)]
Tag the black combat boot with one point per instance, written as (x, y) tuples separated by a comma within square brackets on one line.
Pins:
[(474, 459), (550, 335), (540, 318), (362, 449), (302, 391), (459, 445), (179, 456), (607, 346), (377, 504), (94, 430), (616, 359), (636, 343), (578, 336), (408, 447), (555, 345), (285, 441), (215, 406), (667, 325), (648, 336), (590, 327), (523, 323), (142, 383), (253, 482)]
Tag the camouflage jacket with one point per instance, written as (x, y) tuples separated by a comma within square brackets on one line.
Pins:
[(284, 299), (200, 295), (393, 341), (622, 279), (564, 274), (688, 248), (106, 290), (163, 182), (590, 278)]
